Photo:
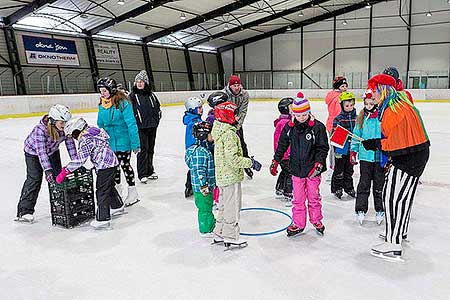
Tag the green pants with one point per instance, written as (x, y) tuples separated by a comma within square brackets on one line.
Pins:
[(206, 220)]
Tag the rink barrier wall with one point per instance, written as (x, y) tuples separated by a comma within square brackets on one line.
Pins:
[(36, 105)]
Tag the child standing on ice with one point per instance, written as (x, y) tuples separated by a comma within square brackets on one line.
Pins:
[(283, 188), (368, 127), (308, 140), (93, 143), (343, 170), (201, 164)]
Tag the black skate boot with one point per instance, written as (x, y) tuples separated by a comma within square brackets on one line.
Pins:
[(294, 230), (249, 173), (320, 228), (351, 193), (188, 192), (338, 194)]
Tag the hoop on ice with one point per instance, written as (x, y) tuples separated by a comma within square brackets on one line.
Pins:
[(269, 232)]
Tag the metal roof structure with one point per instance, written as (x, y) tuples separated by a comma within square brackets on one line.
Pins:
[(196, 24)]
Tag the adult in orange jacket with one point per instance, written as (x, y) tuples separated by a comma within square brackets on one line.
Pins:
[(405, 140)]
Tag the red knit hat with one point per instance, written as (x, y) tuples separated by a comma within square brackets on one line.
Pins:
[(234, 79), (225, 112), (381, 79)]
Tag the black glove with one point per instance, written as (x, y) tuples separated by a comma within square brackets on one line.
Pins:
[(49, 176), (256, 165), (372, 144)]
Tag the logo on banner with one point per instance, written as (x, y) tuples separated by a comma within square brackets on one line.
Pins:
[(107, 53), (50, 51)]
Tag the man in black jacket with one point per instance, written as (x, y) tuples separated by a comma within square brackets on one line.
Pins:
[(147, 111)]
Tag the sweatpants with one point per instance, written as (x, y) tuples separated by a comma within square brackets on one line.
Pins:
[(370, 172), (32, 185), (147, 138), (284, 181), (124, 163), (230, 203), (106, 193), (206, 220), (342, 175), (306, 189)]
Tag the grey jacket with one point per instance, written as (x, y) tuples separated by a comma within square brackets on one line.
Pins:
[(241, 100)]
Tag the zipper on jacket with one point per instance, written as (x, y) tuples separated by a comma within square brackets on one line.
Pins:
[(151, 100)]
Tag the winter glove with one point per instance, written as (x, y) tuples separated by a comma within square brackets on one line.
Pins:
[(204, 190), (353, 160), (49, 176), (372, 144), (137, 150), (62, 175), (256, 165), (216, 194), (316, 170), (273, 167)]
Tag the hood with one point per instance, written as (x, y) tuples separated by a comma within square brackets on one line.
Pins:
[(229, 92), (189, 116), (220, 128), (281, 117), (99, 134)]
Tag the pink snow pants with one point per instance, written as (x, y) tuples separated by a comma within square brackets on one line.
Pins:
[(306, 188)]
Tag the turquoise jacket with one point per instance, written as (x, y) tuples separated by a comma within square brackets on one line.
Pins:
[(371, 130), (120, 125)]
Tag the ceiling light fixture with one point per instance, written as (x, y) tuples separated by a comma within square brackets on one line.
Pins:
[(429, 14), (226, 27), (300, 14), (288, 28), (121, 2), (148, 27), (182, 16), (84, 16), (344, 22), (368, 5)]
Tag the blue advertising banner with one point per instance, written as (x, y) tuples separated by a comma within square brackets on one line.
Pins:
[(46, 51)]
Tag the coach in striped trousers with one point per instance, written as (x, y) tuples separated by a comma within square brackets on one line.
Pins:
[(405, 141)]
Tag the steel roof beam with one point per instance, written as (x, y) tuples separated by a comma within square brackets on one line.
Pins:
[(25, 11)]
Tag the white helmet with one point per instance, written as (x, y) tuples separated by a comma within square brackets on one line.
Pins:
[(193, 103), (59, 112), (77, 123)]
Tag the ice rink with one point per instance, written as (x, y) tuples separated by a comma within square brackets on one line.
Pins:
[(155, 251)]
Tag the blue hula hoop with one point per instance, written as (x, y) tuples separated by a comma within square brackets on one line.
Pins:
[(267, 209)]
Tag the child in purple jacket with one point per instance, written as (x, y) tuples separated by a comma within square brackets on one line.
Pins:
[(41, 149), (93, 143)]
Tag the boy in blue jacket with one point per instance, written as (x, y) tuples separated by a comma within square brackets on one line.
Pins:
[(192, 115), (201, 164), (368, 127)]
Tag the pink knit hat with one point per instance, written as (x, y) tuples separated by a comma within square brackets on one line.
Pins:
[(300, 104)]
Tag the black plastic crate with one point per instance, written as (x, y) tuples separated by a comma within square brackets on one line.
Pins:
[(72, 202)]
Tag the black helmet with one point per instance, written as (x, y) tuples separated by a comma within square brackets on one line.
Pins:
[(283, 105), (217, 98), (107, 83), (201, 130), (392, 71)]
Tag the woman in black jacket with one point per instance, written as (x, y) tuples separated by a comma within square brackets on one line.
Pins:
[(147, 111)]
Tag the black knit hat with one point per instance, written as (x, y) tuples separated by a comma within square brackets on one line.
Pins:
[(338, 81)]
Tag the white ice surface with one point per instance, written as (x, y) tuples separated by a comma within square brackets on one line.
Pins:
[(155, 251)]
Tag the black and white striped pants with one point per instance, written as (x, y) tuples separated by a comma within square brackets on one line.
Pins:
[(398, 195)]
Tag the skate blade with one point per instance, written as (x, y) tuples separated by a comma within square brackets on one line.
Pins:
[(386, 257), (295, 234), (288, 204), (132, 203), (320, 233), (217, 242), (118, 214), (230, 246), (102, 228)]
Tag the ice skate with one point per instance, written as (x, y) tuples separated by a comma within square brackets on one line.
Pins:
[(380, 217), (154, 176), (360, 215), (338, 194), (144, 179), (388, 251), (294, 230), (188, 192), (231, 244), (249, 173), (217, 239), (101, 225), (132, 197), (320, 228), (119, 188), (115, 212), (27, 218), (288, 200), (351, 193)]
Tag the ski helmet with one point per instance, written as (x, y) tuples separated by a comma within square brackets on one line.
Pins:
[(201, 130), (107, 83), (346, 96), (75, 126), (225, 112), (392, 71), (192, 103), (217, 98), (59, 112), (283, 105)]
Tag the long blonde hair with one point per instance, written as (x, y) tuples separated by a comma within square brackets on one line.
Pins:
[(52, 131)]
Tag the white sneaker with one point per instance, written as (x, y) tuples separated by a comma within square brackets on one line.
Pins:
[(117, 211), (143, 180), (360, 216), (100, 224), (132, 197), (27, 218), (380, 217), (119, 188)]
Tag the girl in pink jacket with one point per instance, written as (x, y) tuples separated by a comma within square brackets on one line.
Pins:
[(283, 188)]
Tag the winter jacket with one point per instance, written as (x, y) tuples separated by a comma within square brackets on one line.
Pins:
[(146, 107), (309, 144), (229, 162), (201, 163), (371, 129), (334, 108), (94, 144), (348, 121), (120, 125), (241, 100), (189, 119), (39, 143), (279, 125)]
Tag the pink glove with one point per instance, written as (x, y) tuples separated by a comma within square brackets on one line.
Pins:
[(62, 175), (216, 194), (316, 170)]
